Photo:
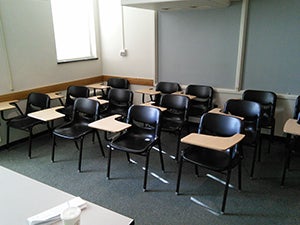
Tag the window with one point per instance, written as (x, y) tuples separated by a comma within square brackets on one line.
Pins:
[(74, 29)]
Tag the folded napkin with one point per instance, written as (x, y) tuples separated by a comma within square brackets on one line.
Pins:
[(53, 215)]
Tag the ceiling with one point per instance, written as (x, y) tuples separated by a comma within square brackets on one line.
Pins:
[(166, 5)]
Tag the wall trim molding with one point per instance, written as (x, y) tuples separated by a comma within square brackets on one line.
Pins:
[(19, 95)]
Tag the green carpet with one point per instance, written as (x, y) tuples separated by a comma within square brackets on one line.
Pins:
[(261, 201)]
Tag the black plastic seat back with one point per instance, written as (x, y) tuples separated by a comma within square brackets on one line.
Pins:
[(145, 117), (177, 107), (203, 101), (267, 100), (119, 101), (85, 110), (116, 82), (74, 92), (249, 110), (219, 125), (37, 101), (165, 88), (297, 108)]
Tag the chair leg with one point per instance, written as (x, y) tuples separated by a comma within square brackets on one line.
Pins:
[(100, 143), (285, 166), (226, 191), (259, 149), (7, 136), (179, 175), (108, 163), (253, 162), (53, 148), (240, 176), (128, 157), (178, 145), (271, 138), (146, 170), (196, 171), (80, 155), (161, 157), (30, 143)]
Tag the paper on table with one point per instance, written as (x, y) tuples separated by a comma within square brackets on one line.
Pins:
[(53, 215)]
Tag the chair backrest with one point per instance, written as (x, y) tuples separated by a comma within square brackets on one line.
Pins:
[(219, 125), (74, 92), (267, 100), (85, 110), (116, 82), (202, 92), (165, 88), (145, 117), (37, 101), (177, 106), (250, 111), (120, 98), (297, 108), (204, 98)]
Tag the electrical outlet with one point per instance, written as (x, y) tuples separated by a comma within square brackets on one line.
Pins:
[(123, 52)]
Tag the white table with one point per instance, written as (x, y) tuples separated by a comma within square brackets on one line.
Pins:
[(7, 105), (212, 142), (110, 124), (22, 197), (46, 115), (292, 127)]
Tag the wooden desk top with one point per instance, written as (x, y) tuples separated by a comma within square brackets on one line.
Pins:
[(155, 106), (219, 111), (292, 127), (212, 142), (181, 93), (148, 91), (98, 86), (55, 95), (7, 105), (47, 114), (110, 124), (97, 98)]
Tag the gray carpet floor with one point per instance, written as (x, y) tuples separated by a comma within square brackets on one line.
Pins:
[(261, 201)]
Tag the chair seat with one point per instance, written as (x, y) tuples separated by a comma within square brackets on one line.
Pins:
[(23, 122), (136, 141), (73, 132), (210, 159)]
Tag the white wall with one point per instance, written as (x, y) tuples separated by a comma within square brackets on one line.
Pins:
[(28, 31), (139, 39)]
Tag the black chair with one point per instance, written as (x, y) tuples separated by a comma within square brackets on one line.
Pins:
[(165, 88), (219, 161), (73, 92), (267, 100), (115, 82), (119, 102), (293, 142), (35, 102), (203, 101), (175, 117), (251, 113), (140, 137), (85, 111)]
